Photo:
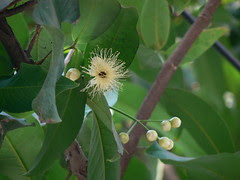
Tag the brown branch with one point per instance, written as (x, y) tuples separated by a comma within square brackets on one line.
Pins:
[(12, 45), (164, 77), (76, 160), (35, 36), (21, 8)]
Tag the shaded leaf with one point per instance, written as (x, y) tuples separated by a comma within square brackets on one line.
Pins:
[(50, 14), (213, 167), (18, 92), (121, 36), (205, 40), (8, 123), (71, 105), (44, 104), (42, 46), (103, 157), (53, 12), (205, 125), (137, 170), (179, 6), (15, 157), (93, 12), (155, 23)]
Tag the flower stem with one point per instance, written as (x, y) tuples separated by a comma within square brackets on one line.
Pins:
[(127, 115)]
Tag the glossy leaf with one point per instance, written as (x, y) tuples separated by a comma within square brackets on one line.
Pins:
[(121, 36), (8, 123), (213, 167), (15, 157), (93, 12), (205, 40), (199, 118), (179, 6), (155, 23), (18, 92), (71, 105), (103, 157)]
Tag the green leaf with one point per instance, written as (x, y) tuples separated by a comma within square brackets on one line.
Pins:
[(132, 3), (121, 36), (205, 40), (8, 123), (71, 107), (44, 104), (19, 150), (18, 92), (137, 170), (19, 28), (93, 13), (51, 14), (199, 118), (155, 23), (42, 46), (179, 6), (6, 67), (213, 167), (105, 144)]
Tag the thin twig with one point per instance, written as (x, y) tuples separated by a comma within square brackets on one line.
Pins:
[(21, 8), (164, 77), (218, 46), (42, 60), (34, 38)]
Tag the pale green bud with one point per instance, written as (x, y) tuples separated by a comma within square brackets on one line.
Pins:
[(151, 135), (124, 137), (166, 125), (175, 122), (73, 74)]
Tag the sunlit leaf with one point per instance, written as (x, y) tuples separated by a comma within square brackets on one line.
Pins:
[(121, 36)]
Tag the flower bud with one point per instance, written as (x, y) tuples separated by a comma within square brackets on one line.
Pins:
[(165, 142), (170, 145), (166, 125), (124, 137), (151, 135), (73, 74), (175, 122)]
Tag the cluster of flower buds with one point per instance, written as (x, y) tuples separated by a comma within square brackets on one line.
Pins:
[(152, 135), (174, 122)]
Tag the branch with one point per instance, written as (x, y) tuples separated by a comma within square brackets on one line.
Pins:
[(35, 36), (76, 160), (21, 8), (164, 77), (218, 46), (12, 45)]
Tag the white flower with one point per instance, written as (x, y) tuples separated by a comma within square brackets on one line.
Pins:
[(105, 69)]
